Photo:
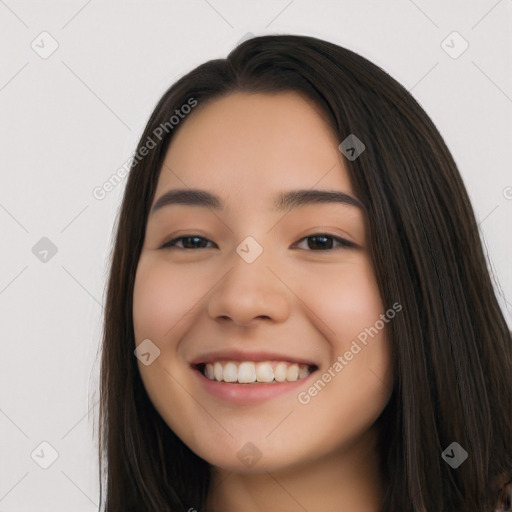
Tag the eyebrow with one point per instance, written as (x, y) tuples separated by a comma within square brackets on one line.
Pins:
[(285, 201)]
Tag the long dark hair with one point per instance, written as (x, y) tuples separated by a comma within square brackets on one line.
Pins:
[(451, 344)]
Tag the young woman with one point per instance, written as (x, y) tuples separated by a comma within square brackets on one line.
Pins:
[(299, 313)]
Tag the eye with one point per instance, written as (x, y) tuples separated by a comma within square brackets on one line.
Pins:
[(317, 242), (189, 242), (324, 242)]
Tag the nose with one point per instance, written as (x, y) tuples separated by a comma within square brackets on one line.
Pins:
[(248, 292)]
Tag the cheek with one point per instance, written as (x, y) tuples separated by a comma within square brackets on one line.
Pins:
[(163, 304), (346, 299), (348, 303), (162, 299)]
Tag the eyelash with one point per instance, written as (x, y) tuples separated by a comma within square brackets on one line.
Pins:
[(343, 244)]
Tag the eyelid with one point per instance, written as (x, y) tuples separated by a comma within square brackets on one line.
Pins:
[(178, 238), (344, 243)]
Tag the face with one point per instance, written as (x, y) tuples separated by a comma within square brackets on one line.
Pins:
[(241, 288)]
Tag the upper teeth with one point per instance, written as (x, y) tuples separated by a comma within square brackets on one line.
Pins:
[(246, 372)]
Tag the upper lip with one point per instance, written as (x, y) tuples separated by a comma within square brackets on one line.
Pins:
[(239, 355)]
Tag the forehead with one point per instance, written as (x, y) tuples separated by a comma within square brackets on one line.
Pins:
[(246, 145)]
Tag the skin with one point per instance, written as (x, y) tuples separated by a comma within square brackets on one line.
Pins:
[(295, 298)]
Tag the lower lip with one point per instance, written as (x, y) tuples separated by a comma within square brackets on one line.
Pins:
[(246, 394)]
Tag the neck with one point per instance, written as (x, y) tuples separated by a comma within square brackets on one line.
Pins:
[(348, 480)]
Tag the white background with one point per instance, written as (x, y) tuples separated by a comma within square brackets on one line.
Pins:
[(69, 121)]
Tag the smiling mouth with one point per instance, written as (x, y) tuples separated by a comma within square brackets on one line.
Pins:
[(249, 372)]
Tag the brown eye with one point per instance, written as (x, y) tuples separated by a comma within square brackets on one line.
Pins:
[(188, 242), (325, 242), (316, 242)]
